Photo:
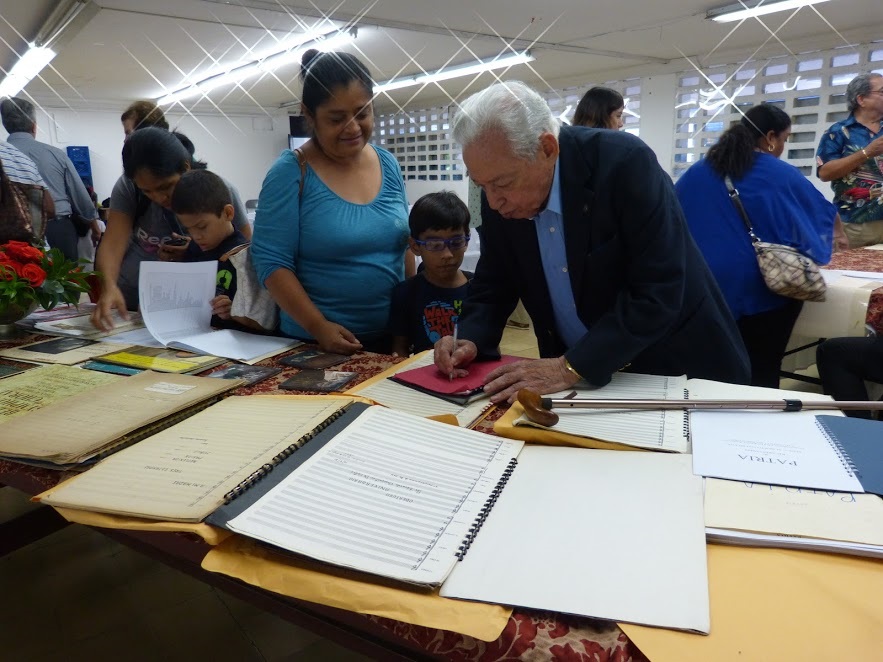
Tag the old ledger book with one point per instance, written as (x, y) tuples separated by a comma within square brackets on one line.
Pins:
[(83, 426), (183, 473), (40, 387), (757, 515)]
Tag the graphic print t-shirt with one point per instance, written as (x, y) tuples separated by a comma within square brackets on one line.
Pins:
[(425, 313)]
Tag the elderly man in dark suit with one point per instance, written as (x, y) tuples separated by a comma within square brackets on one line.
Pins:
[(584, 226)]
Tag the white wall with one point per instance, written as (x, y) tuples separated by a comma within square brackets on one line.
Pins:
[(240, 148)]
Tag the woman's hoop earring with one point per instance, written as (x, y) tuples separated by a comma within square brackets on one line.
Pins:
[(769, 148)]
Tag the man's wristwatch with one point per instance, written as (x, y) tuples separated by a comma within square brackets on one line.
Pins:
[(571, 369)]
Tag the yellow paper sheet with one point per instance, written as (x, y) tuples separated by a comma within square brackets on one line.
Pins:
[(209, 534), (335, 587), (773, 604), (505, 428)]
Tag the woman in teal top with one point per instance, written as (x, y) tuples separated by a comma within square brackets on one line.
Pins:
[(330, 255)]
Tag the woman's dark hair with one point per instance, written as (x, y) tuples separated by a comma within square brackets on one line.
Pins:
[(322, 72), (441, 210), (595, 107), (733, 153), (161, 152)]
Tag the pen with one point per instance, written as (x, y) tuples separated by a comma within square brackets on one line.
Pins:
[(451, 373)]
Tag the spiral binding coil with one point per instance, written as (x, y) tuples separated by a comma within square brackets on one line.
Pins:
[(686, 422), (266, 468), (842, 455), (485, 510)]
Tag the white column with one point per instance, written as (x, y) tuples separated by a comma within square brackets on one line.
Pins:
[(658, 115)]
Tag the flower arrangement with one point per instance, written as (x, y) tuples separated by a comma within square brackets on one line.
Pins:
[(31, 277)]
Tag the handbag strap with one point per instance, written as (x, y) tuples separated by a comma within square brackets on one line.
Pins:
[(734, 196), (302, 162)]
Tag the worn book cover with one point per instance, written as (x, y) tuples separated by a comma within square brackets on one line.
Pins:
[(314, 359), (161, 359), (252, 374), (323, 381)]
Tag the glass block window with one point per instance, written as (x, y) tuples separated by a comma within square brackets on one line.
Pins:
[(810, 87)]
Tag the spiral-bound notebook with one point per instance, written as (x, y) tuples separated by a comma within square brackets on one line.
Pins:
[(401, 497), (794, 449), (640, 428)]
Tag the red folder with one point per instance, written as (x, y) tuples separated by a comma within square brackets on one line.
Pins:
[(460, 390)]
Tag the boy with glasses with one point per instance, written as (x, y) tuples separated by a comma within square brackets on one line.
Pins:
[(426, 307)]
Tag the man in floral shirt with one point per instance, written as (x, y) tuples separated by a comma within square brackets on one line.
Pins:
[(850, 156)]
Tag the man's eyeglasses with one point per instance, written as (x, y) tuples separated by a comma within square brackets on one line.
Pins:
[(880, 91), (454, 243)]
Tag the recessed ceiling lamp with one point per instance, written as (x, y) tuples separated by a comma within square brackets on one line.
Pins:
[(750, 8), (455, 72), (287, 52)]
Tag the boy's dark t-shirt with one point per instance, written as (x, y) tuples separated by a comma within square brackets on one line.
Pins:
[(226, 282), (424, 313)]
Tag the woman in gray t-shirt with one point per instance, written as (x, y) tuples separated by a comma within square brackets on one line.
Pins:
[(140, 220)]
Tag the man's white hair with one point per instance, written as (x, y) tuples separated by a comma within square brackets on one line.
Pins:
[(513, 109)]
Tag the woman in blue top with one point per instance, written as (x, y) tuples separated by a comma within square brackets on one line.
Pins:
[(784, 207), (331, 254)]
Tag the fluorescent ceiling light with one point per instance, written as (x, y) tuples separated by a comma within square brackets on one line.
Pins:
[(750, 8), (455, 72), (23, 71), (285, 53)]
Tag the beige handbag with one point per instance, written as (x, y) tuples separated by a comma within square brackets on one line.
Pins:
[(252, 305), (785, 270)]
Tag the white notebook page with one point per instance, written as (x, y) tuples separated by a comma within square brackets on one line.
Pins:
[(604, 534), (392, 495), (779, 448)]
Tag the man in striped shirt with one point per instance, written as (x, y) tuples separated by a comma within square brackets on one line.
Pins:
[(20, 169)]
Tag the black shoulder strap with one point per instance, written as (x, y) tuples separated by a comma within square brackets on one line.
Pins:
[(734, 196)]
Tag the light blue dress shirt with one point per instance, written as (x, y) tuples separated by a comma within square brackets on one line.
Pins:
[(550, 233)]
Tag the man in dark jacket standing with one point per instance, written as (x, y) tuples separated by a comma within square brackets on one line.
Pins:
[(584, 226)]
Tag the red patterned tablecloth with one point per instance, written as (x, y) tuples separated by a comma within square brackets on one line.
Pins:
[(861, 259), (529, 635)]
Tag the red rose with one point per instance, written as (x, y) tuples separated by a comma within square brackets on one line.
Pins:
[(34, 274), (6, 261), (22, 251)]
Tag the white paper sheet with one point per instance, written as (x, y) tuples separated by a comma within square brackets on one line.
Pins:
[(604, 534), (767, 447), (175, 305)]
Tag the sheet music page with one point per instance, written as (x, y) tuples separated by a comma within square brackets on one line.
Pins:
[(403, 398), (780, 448), (392, 495), (794, 511), (175, 296), (654, 430), (183, 472), (34, 389), (74, 427)]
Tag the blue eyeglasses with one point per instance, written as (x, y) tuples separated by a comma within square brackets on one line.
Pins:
[(454, 243)]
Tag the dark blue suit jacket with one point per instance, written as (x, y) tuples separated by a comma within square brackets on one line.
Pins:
[(641, 286)]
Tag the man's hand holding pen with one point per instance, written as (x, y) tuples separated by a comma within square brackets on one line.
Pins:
[(452, 356)]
